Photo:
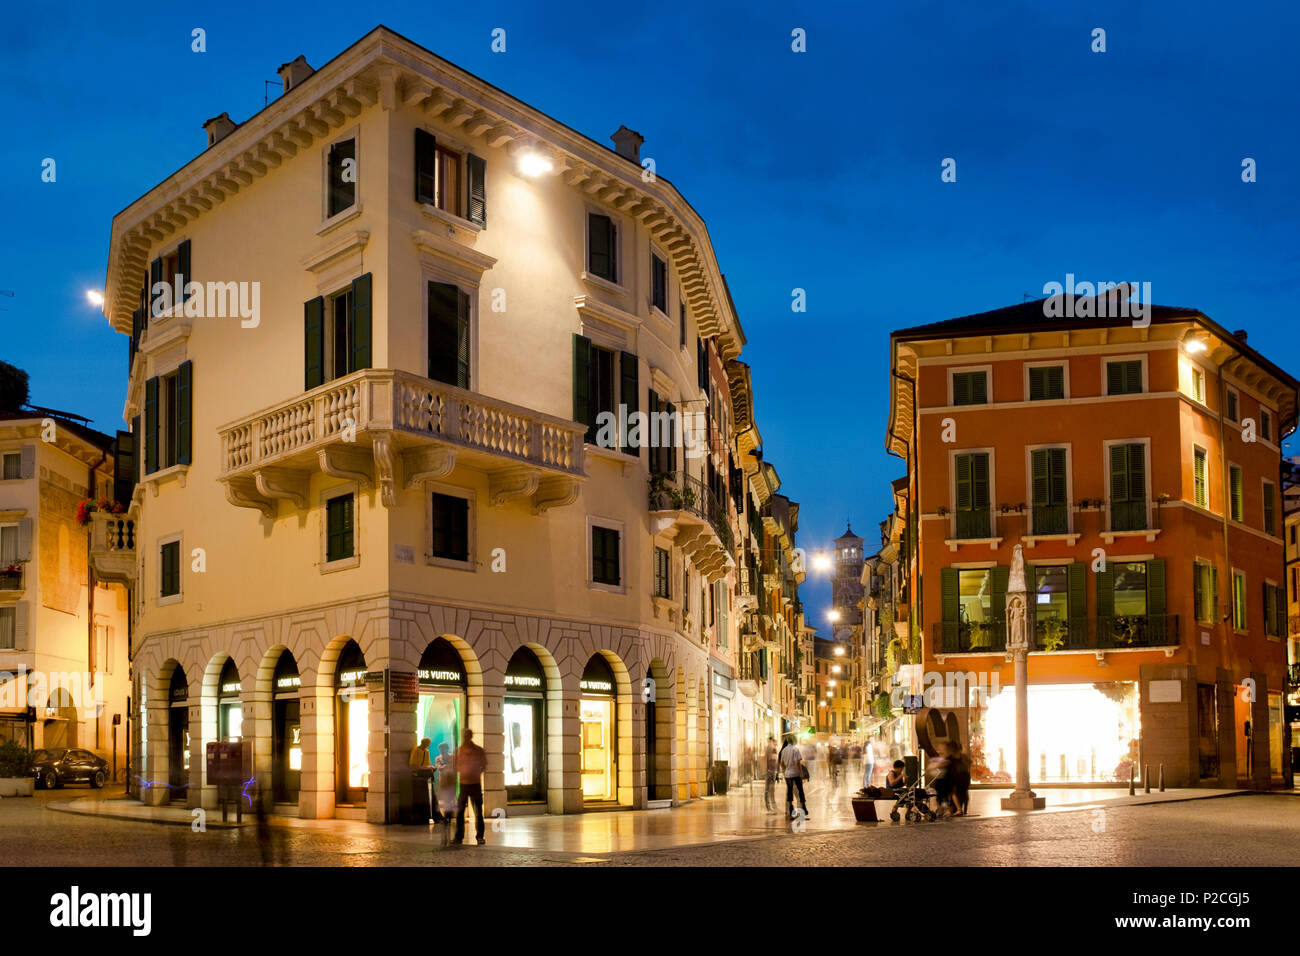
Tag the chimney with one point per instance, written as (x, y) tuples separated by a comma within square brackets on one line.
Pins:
[(219, 127), (1240, 334), (294, 72), (627, 143)]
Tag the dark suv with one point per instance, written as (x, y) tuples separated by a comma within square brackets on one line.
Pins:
[(54, 768)]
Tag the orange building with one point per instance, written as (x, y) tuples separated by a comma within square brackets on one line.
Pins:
[(1138, 463)]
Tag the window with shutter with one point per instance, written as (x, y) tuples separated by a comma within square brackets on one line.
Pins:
[(313, 342), (1200, 480), (426, 167), (1270, 509), (629, 394), (583, 412), (339, 540), (1048, 480), (970, 388), (1124, 377), (1046, 382), (169, 569), (450, 527), (449, 334), (1236, 494), (661, 573), (604, 555), (1230, 409), (972, 488), (1239, 617), (1128, 506), (476, 189), (658, 283), (342, 177), (602, 254)]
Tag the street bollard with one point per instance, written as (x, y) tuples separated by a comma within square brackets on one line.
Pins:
[(1162, 778), (1146, 777), (1132, 771)]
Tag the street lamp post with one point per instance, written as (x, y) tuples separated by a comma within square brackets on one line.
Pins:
[(1021, 798)]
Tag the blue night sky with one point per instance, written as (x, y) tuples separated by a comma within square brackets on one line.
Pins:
[(818, 170)]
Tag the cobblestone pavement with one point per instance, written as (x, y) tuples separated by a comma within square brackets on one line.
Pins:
[(1248, 830)]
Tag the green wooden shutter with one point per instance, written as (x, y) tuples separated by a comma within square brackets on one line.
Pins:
[(628, 373), (582, 386), (1077, 603), (1198, 592), (961, 388), (123, 467), (1105, 594), (1133, 377), (1269, 517), (151, 425), (361, 326), (1036, 392), (1056, 481), (948, 603), (654, 441), (979, 479), (961, 465), (314, 342), (183, 268), (998, 577), (1040, 472), (1156, 628), (979, 388), (1268, 609), (1214, 593), (476, 182), (672, 437), (1137, 473), (184, 413), (1055, 381), (600, 246), (1119, 483), (462, 339), (155, 276), (426, 165)]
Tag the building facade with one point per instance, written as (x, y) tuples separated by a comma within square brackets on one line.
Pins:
[(1138, 465), (470, 453), (63, 628)]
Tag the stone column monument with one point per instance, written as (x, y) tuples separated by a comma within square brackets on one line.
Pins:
[(1017, 624)]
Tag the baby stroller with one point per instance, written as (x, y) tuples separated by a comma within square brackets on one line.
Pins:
[(913, 799)]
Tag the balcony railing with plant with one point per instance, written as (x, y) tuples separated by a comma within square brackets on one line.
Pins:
[(1053, 633), (678, 491)]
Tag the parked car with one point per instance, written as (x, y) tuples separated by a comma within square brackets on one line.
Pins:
[(53, 768)]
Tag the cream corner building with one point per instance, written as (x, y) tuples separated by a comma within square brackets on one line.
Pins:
[(375, 503)]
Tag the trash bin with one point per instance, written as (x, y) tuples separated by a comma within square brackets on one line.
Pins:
[(721, 773)]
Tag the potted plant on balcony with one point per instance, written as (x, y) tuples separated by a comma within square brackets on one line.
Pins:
[(1052, 637), (660, 494), (16, 779), (1124, 630), (89, 506), (688, 496)]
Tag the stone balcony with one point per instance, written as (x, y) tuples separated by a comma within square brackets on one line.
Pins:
[(387, 429), (112, 547)]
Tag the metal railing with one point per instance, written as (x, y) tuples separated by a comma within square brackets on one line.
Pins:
[(974, 524), (11, 580), (1060, 634), (683, 492), (1128, 515), (1051, 519)]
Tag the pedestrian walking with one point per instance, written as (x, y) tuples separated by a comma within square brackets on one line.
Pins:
[(868, 762), (772, 768), (444, 784), (471, 761), (959, 775), (795, 773)]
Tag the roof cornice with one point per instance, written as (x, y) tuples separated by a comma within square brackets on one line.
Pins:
[(388, 70)]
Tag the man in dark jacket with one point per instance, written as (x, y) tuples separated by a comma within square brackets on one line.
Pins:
[(471, 761)]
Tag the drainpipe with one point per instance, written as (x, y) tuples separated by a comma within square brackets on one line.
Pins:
[(90, 596)]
